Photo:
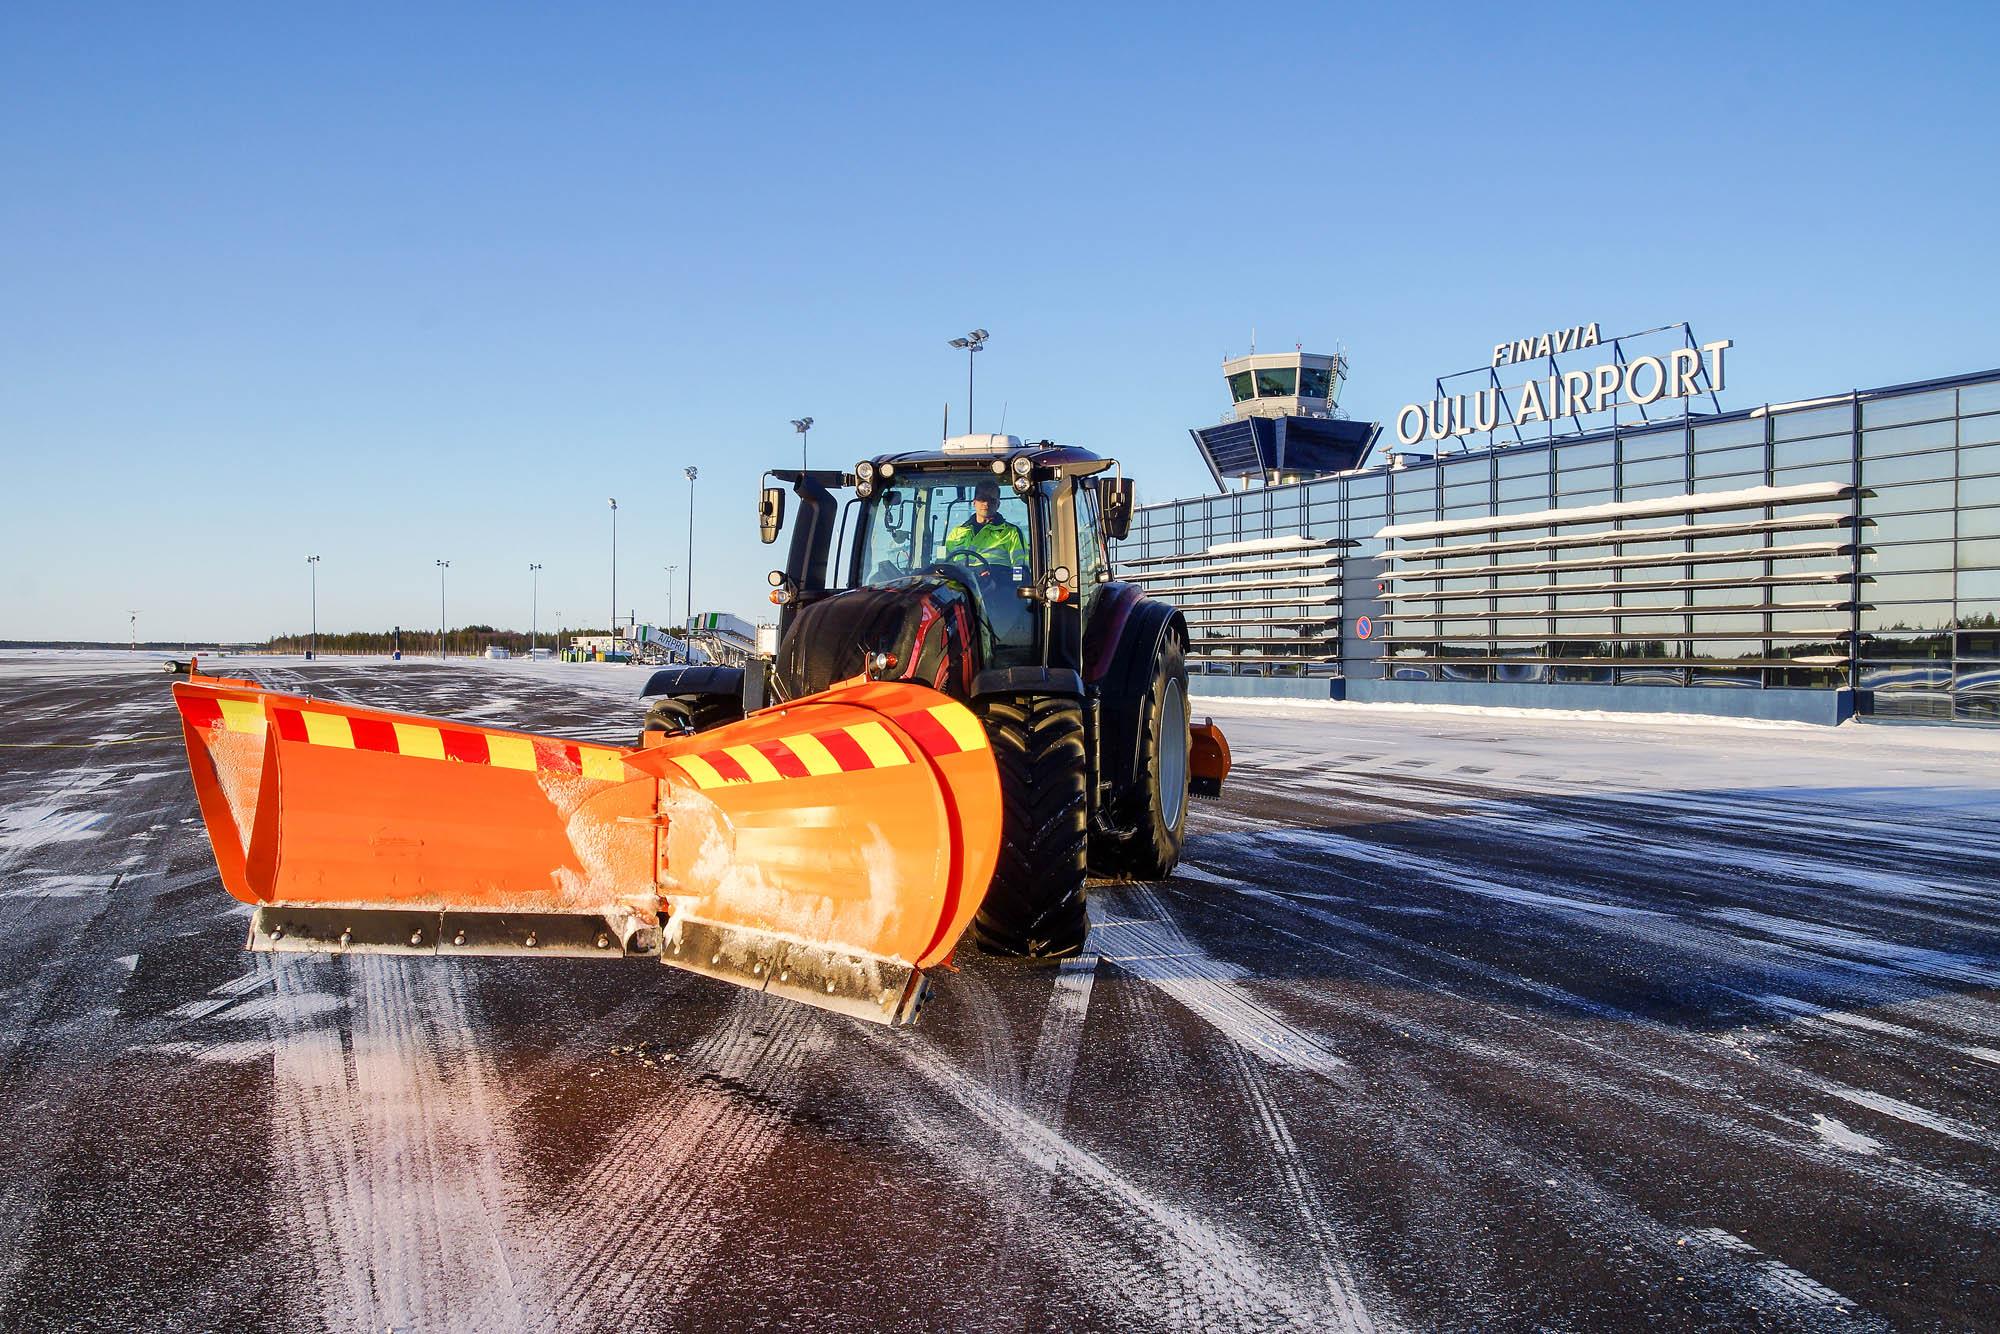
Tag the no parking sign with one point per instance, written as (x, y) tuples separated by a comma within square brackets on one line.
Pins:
[(1363, 626)]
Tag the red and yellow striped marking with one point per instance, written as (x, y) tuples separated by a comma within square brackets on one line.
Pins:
[(420, 740), (942, 729)]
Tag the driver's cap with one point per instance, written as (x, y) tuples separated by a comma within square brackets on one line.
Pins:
[(987, 491)]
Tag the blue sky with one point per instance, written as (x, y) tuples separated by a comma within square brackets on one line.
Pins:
[(396, 283)]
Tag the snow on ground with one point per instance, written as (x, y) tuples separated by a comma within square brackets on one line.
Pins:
[(50, 663), (1449, 1019)]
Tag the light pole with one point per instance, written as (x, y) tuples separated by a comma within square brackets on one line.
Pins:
[(534, 599), (135, 629), (803, 425), (691, 474), (614, 573), (312, 645), (972, 343), (670, 596), (442, 565)]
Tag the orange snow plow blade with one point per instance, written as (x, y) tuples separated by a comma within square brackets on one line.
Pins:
[(830, 849), (1208, 758)]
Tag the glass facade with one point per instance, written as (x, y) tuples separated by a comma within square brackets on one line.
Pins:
[(1843, 542)]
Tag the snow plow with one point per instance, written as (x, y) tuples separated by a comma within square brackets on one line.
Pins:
[(973, 716), (830, 849)]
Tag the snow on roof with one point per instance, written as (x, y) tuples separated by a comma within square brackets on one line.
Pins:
[(1264, 544), (1625, 509)]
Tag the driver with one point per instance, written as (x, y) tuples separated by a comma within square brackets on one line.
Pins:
[(986, 534)]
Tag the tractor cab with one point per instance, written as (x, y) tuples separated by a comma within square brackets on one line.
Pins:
[(981, 570), (957, 524), (1020, 531)]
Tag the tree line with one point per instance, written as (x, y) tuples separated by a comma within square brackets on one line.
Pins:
[(466, 640)]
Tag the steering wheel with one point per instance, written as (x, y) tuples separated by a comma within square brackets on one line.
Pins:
[(982, 576), (969, 554)]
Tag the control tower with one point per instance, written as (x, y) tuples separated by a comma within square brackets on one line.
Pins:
[(1285, 423)]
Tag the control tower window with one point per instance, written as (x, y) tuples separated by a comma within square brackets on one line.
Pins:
[(1281, 382), (1315, 382), (1240, 387)]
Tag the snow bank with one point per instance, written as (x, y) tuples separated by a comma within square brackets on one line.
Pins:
[(1329, 709)]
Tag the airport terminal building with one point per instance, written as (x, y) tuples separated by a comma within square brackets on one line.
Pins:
[(1566, 528)]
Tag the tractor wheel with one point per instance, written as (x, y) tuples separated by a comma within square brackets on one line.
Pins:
[(1035, 906), (678, 715), (1154, 804)]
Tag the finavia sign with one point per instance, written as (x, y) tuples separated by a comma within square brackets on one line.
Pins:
[(1623, 381)]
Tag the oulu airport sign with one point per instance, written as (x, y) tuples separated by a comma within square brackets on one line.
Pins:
[(1560, 389)]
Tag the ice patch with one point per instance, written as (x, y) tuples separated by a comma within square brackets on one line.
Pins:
[(37, 825), (1807, 1010), (1186, 872), (58, 886), (1840, 1137), (1903, 1111), (1913, 959), (221, 1053), (1144, 941), (1775, 1278), (1421, 867)]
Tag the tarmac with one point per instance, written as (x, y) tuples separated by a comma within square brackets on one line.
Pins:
[(1447, 1022)]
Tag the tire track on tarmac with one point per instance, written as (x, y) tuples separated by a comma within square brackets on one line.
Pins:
[(1252, 1079), (1426, 1119), (637, 1227), (1971, 1205), (1140, 937), (391, 1142), (1675, 931), (65, 962), (1168, 1267)]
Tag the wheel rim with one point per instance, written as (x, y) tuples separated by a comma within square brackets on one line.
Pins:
[(1173, 755)]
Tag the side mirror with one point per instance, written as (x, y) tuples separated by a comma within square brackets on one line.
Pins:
[(1116, 495), (771, 514)]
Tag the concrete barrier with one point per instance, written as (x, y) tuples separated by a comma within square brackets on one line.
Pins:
[(1266, 687)]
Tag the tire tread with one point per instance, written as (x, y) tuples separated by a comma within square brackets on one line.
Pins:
[(1035, 906)]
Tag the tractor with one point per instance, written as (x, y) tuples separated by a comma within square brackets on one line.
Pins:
[(959, 725), (981, 569)]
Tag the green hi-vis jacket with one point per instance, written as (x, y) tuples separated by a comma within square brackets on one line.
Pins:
[(997, 540)]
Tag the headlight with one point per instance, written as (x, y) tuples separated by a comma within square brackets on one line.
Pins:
[(1023, 465), (864, 470), (888, 471), (864, 489), (775, 578), (1024, 484), (999, 467)]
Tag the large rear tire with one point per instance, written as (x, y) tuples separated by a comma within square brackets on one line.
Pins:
[(678, 715), (1034, 908), (1154, 805)]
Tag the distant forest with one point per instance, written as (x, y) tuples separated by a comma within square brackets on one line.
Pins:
[(466, 640)]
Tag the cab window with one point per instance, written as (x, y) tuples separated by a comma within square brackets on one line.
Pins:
[(1091, 562), (968, 526)]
